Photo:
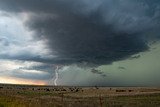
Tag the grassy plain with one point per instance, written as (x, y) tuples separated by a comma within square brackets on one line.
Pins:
[(50, 96)]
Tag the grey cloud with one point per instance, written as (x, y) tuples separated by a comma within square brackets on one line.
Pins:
[(99, 72), (104, 75), (99, 33), (41, 73), (4, 42), (28, 57), (95, 71), (122, 68), (19, 73), (43, 67), (135, 56)]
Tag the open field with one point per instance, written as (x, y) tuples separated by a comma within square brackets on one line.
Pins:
[(49, 96)]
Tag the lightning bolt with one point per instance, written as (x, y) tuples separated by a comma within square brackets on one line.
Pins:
[(56, 76)]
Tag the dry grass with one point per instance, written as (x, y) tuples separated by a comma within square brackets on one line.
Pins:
[(47, 96)]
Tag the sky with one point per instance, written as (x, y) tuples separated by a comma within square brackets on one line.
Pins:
[(87, 42)]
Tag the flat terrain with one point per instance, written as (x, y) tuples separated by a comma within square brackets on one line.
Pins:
[(49, 96)]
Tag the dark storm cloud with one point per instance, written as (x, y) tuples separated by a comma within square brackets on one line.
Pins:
[(93, 32)]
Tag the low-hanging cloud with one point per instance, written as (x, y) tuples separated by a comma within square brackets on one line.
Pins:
[(93, 32)]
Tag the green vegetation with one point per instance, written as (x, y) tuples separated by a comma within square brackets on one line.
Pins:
[(10, 102)]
